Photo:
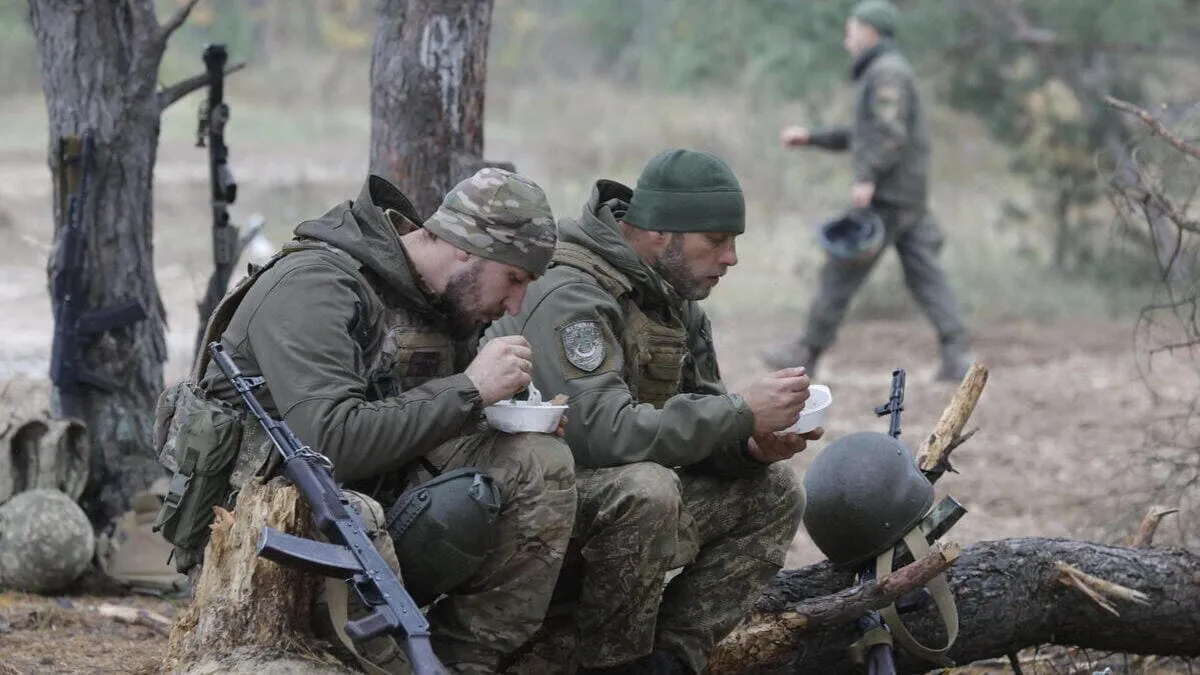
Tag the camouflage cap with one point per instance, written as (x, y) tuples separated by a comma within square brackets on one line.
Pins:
[(46, 541), (498, 215)]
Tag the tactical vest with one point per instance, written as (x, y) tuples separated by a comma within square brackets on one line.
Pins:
[(655, 352), (413, 353)]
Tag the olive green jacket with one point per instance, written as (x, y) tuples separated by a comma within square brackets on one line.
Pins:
[(313, 324), (703, 426), (889, 139)]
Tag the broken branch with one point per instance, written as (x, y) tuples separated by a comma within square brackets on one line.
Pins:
[(1095, 588), (772, 636), (946, 436), (171, 94), (134, 616), (1145, 533)]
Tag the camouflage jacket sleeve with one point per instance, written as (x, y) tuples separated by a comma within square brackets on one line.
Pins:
[(882, 128), (704, 377), (300, 337), (830, 138), (605, 426)]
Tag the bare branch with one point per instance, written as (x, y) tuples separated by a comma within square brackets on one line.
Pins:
[(1145, 533), (773, 635), (947, 435), (141, 617), (167, 29), (1155, 125), (1150, 198), (171, 94)]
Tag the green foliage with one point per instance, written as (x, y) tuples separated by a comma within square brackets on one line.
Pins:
[(786, 47)]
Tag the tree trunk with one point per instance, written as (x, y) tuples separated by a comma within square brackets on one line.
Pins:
[(1008, 596), (428, 76), (99, 63)]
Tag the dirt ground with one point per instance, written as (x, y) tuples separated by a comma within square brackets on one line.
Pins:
[(1063, 419)]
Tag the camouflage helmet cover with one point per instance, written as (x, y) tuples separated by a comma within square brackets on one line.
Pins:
[(865, 493), (498, 215), (46, 541)]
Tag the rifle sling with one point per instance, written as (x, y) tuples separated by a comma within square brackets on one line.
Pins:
[(943, 599), (862, 646), (337, 599)]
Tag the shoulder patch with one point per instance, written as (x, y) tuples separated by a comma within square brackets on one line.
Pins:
[(583, 344)]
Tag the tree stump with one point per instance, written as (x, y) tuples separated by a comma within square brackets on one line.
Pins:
[(248, 613)]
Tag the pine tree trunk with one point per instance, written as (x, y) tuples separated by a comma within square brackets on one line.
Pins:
[(428, 75), (99, 65)]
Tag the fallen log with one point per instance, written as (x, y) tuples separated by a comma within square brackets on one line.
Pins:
[(1009, 597)]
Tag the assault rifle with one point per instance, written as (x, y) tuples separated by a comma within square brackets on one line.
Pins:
[(895, 404), (72, 320), (352, 556), (227, 245), (879, 656)]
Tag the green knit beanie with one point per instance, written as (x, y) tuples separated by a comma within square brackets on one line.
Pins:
[(879, 14), (687, 191)]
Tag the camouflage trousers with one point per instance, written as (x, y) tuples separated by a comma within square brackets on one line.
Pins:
[(503, 604), (918, 240), (638, 521)]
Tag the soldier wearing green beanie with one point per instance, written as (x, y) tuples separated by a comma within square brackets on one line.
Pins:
[(889, 145), (672, 469)]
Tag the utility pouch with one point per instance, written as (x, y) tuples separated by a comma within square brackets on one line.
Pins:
[(198, 440)]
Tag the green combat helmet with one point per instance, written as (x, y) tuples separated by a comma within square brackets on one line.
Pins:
[(868, 503), (853, 237), (443, 529), (864, 493)]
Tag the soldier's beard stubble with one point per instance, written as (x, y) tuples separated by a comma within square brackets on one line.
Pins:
[(462, 300), (674, 269)]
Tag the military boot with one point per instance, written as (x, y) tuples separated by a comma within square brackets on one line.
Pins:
[(790, 356), (956, 360)]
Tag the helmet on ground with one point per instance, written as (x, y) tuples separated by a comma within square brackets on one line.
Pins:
[(443, 530), (853, 237), (46, 541), (865, 493)]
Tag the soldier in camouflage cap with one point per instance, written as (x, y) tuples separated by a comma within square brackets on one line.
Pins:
[(498, 215), (365, 328), (46, 542)]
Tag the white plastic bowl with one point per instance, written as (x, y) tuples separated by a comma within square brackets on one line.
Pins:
[(813, 413), (520, 417)]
